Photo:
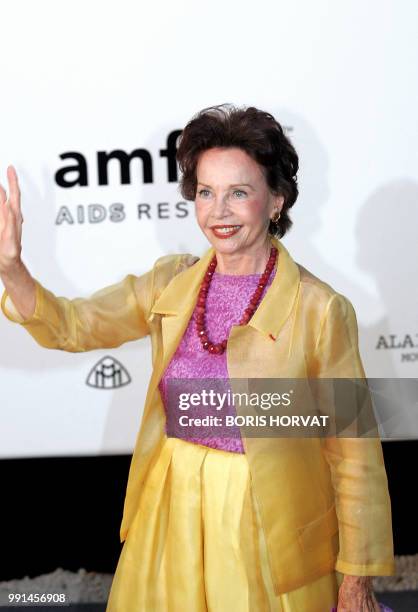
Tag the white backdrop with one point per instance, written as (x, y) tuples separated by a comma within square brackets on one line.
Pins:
[(341, 77)]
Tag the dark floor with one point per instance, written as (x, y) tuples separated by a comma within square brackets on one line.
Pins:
[(401, 601), (63, 608)]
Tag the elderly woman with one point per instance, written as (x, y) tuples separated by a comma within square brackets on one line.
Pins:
[(210, 522)]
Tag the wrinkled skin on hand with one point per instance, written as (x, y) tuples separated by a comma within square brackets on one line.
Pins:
[(356, 595)]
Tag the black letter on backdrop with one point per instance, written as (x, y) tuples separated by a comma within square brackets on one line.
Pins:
[(124, 159), (170, 154), (80, 167)]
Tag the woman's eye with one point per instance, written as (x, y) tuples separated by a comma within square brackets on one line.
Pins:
[(203, 193), (240, 193)]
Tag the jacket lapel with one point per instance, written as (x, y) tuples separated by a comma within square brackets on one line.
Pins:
[(177, 302), (279, 299), (178, 299)]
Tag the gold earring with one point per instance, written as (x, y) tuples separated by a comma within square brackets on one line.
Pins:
[(276, 217)]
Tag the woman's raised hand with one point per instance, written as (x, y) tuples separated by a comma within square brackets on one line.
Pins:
[(11, 220), (15, 276)]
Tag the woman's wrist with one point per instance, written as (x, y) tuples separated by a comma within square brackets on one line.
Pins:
[(12, 270), (363, 580), (21, 288)]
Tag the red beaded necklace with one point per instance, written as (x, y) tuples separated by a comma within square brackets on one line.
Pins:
[(220, 347)]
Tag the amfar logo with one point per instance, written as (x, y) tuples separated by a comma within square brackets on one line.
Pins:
[(77, 174), (393, 341), (108, 373)]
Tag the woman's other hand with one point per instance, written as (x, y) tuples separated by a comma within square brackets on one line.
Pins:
[(11, 220), (356, 595)]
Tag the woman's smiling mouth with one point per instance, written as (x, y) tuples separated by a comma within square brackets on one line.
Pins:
[(225, 231)]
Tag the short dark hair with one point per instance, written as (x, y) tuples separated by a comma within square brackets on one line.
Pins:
[(254, 131)]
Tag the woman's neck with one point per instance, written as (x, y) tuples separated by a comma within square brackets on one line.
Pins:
[(241, 263)]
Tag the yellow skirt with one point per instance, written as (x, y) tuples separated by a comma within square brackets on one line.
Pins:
[(196, 543)]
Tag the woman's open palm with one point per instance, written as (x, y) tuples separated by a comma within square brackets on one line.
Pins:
[(11, 220)]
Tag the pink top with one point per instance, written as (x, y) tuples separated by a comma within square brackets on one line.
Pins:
[(227, 298)]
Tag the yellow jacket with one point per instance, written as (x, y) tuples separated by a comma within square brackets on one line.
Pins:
[(324, 503)]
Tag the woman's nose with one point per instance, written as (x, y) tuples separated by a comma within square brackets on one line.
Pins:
[(220, 205)]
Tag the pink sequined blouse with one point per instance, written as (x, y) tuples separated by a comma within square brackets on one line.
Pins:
[(227, 298)]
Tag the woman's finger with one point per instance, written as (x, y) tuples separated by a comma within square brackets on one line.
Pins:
[(14, 191), (3, 195), (4, 209)]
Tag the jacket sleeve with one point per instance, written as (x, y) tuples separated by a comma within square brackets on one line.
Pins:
[(357, 465), (109, 317)]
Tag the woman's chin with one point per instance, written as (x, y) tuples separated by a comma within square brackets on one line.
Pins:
[(224, 245)]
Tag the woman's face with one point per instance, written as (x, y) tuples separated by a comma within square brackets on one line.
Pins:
[(232, 191)]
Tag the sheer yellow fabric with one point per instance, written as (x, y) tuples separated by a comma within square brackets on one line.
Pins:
[(357, 465), (196, 543), (108, 318), (324, 506)]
